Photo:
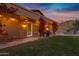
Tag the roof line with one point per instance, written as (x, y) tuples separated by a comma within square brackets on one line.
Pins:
[(27, 10), (23, 8)]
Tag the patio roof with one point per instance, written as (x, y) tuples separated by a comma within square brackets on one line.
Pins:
[(23, 11)]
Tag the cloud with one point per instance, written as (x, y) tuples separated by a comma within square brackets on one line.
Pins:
[(64, 11), (63, 16)]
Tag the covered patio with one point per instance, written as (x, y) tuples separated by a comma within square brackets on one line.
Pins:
[(19, 23)]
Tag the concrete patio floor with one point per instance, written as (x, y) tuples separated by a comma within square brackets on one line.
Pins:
[(14, 43)]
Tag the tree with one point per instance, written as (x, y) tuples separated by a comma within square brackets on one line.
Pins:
[(41, 26), (54, 27), (76, 26)]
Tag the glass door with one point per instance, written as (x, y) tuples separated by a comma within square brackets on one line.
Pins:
[(29, 29)]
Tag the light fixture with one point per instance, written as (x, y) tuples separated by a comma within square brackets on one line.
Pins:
[(1, 15), (24, 25), (12, 19), (47, 28), (26, 20)]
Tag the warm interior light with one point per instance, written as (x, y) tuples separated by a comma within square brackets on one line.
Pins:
[(47, 29), (12, 19), (24, 26), (26, 20), (0, 15)]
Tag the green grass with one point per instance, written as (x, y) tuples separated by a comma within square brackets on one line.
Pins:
[(57, 46)]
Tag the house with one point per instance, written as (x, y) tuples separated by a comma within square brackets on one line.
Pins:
[(20, 22), (47, 20)]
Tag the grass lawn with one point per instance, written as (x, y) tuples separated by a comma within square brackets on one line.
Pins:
[(58, 46)]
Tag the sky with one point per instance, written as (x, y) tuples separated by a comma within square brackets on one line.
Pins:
[(56, 11)]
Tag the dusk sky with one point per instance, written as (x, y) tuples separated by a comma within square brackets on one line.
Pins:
[(55, 11)]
